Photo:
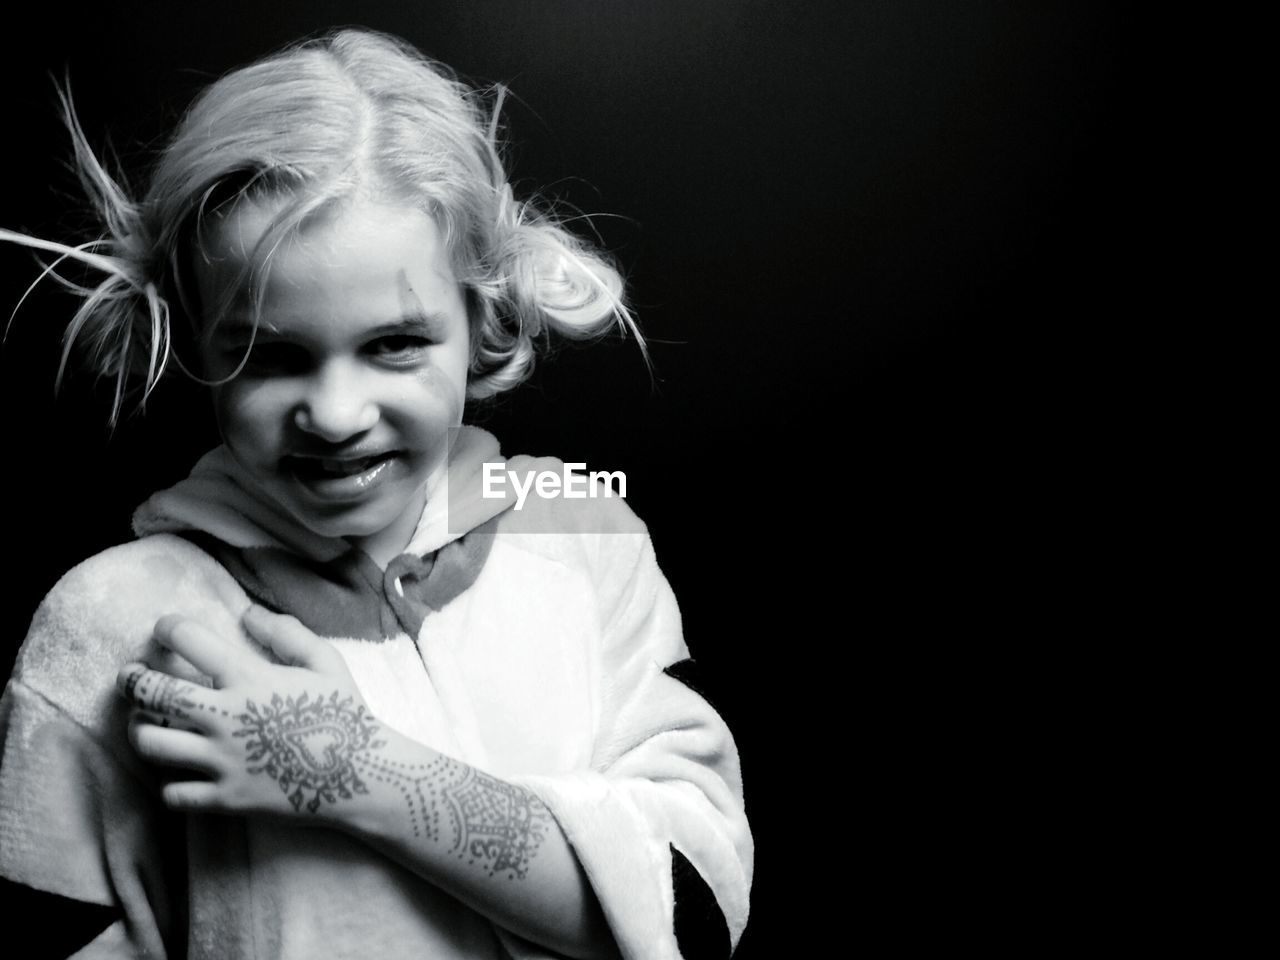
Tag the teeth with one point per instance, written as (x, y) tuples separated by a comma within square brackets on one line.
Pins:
[(344, 468)]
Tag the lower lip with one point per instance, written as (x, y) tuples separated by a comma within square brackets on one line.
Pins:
[(350, 488)]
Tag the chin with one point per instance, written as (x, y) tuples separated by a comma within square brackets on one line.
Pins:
[(358, 524)]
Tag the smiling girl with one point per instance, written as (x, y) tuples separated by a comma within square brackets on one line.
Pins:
[(333, 701), (339, 405)]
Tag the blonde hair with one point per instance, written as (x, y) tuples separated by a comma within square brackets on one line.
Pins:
[(317, 122)]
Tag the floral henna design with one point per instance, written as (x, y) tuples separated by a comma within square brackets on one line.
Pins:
[(501, 825), (324, 750), (494, 824), (308, 746)]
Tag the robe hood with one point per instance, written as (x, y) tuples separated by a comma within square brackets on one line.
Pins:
[(333, 587), (220, 499)]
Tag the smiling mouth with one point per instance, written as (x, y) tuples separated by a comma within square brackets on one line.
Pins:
[(335, 468)]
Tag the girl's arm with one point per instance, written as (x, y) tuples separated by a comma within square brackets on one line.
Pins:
[(297, 741)]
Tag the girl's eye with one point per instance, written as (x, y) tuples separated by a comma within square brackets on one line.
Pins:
[(401, 347)]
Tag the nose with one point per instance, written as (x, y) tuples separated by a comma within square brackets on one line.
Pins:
[(336, 405)]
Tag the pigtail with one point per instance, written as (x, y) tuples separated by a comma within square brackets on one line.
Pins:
[(543, 280), (122, 327), (317, 125)]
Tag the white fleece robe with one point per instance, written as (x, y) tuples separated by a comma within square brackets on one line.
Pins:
[(548, 670)]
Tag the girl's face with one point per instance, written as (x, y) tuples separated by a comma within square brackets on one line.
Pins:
[(358, 369)]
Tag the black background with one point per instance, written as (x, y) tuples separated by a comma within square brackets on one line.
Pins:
[(864, 240)]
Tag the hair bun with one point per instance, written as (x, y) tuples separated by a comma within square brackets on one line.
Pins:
[(573, 294)]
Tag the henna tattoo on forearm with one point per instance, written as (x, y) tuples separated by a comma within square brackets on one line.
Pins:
[(494, 824), (411, 779), (501, 826), (325, 750)]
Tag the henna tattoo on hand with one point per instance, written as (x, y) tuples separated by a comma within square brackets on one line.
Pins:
[(325, 750), (308, 746), (160, 693)]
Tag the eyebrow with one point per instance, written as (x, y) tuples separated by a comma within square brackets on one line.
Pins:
[(430, 325), (434, 325), (415, 319)]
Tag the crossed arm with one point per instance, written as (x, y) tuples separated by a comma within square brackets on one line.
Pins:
[(296, 740)]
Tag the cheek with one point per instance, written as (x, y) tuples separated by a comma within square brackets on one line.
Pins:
[(247, 415), (445, 388)]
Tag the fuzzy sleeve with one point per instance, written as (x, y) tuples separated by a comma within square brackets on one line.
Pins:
[(658, 823), (80, 818), (73, 823)]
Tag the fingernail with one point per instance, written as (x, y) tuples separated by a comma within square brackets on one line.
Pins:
[(164, 626)]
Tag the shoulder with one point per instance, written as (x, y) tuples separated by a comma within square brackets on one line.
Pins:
[(139, 578), (101, 613)]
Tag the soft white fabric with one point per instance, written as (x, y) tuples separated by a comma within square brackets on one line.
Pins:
[(547, 671)]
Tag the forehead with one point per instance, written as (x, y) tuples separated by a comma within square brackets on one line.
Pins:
[(363, 258)]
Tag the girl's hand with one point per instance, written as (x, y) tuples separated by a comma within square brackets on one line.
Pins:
[(268, 738)]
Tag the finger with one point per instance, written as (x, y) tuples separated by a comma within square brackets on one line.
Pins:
[(170, 747), (290, 641), (162, 694), (140, 715), (201, 647), (191, 795)]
